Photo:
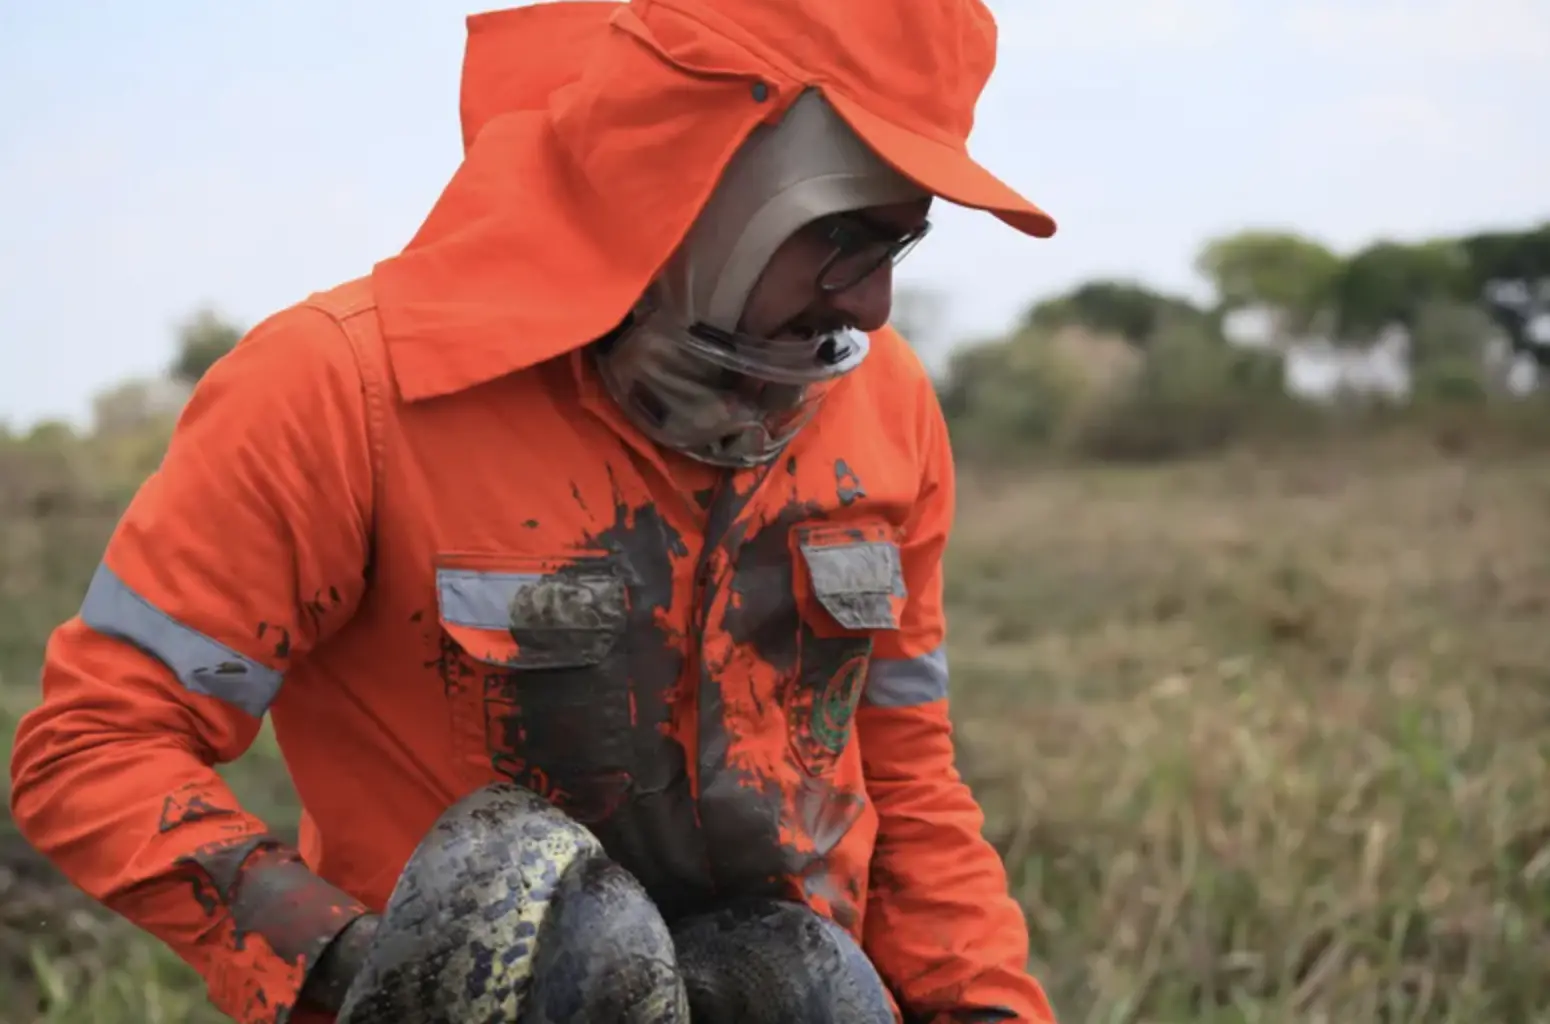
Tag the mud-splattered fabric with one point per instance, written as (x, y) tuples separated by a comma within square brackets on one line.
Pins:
[(403, 521)]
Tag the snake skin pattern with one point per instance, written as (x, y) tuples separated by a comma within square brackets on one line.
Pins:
[(510, 912)]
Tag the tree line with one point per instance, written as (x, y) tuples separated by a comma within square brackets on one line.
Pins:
[(1309, 289), (1116, 369)]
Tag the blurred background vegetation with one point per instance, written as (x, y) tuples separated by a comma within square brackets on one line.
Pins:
[(1248, 603)]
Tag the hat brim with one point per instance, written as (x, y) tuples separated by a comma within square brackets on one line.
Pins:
[(943, 170)]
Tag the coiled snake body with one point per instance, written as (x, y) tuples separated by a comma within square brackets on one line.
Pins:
[(510, 912)]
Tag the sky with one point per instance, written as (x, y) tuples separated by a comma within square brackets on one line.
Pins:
[(160, 156)]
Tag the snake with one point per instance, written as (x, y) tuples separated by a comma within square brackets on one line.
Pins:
[(509, 911)]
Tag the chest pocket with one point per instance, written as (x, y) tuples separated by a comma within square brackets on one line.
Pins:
[(849, 583), (535, 658)]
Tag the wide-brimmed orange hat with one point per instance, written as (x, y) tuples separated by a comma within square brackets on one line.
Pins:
[(594, 132)]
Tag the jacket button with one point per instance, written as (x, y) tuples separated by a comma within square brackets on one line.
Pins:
[(761, 92)]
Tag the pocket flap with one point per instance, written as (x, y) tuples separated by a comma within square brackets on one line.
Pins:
[(536, 615), (855, 573)]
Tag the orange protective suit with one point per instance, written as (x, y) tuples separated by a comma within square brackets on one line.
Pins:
[(361, 519)]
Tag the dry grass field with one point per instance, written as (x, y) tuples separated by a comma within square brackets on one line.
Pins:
[(1261, 740)]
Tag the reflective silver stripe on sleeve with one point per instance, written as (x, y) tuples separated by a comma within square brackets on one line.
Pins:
[(202, 665), (480, 600), (907, 682)]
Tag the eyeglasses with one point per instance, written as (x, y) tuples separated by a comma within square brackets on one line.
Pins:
[(860, 248)]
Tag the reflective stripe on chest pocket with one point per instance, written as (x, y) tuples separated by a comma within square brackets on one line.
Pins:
[(536, 676), (849, 583), (849, 577), (535, 613)]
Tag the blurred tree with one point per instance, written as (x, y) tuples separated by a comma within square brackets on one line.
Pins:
[(1390, 283), (1285, 274), (48, 433), (1451, 354), (202, 339), (1015, 395), (1131, 310), (130, 406), (131, 426), (1508, 255), (1509, 273), (1003, 393)]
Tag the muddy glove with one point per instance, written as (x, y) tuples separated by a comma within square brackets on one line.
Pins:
[(272, 893), (341, 961)]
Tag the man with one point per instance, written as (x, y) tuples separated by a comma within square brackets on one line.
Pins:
[(614, 483)]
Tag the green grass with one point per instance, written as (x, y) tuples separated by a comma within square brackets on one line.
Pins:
[(1260, 741)]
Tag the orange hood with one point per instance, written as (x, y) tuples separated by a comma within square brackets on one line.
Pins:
[(594, 131)]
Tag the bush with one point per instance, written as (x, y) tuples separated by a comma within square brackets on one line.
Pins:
[(1024, 394), (1194, 394), (1187, 391)]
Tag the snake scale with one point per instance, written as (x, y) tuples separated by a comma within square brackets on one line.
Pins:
[(511, 912)]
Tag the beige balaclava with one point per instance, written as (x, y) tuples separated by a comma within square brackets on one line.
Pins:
[(682, 371)]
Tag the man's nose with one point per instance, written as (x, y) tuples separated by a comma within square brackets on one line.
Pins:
[(868, 302)]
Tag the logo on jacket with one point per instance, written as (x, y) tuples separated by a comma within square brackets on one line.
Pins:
[(829, 718)]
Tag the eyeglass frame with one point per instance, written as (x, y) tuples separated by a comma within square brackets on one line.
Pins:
[(851, 234)]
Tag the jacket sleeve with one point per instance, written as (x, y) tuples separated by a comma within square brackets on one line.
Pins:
[(243, 551), (940, 924)]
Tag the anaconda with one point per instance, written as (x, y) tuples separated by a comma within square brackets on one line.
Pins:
[(511, 912)]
